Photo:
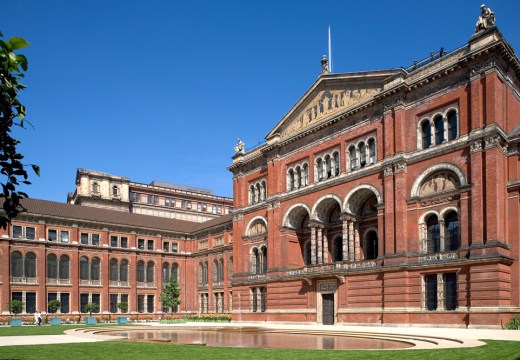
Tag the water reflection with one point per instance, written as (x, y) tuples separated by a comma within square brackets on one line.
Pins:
[(257, 338)]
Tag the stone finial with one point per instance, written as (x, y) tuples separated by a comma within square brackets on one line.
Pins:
[(324, 64), (239, 147), (486, 19)]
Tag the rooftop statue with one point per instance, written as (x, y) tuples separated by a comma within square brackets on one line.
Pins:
[(485, 20), (239, 147), (324, 65)]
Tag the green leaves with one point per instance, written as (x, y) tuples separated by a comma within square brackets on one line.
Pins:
[(17, 43)]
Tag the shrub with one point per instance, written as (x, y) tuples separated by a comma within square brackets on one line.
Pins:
[(15, 306), (53, 306), (513, 324)]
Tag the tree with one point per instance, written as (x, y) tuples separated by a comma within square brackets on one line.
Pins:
[(170, 294), (15, 306), (53, 306), (123, 306), (91, 307), (12, 113)]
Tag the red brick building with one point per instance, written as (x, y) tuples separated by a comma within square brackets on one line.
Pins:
[(387, 197), (383, 197)]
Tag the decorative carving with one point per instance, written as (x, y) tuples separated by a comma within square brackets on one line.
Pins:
[(437, 201), (483, 67), (475, 146), (238, 217), (400, 167), (492, 141), (440, 181), (240, 147), (257, 228), (486, 19), (389, 170)]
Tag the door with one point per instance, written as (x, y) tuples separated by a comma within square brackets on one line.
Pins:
[(328, 309)]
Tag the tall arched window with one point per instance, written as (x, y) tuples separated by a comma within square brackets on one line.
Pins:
[(372, 150), (140, 271), (83, 268), (433, 235), (16, 264), (291, 179), (52, 266), (321, 169), (252, 197), (95, 269), (30, 265), (426, 134), (362, 154), (299, 177), (451, 234), (439, 129), (353, 157), (150, 272), (370, 249), (264, 259), (328, 162), (452, 125), (201, 269), (95, 188), (113, 270), (175, 272), (306, 174), (307, 253), (115, 190), (215, 271), (255, 260), (64, 267), (123, 270), (337, 249), (165, 273), (336, 164)]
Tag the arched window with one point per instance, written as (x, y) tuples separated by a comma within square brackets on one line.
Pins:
[(372, 151), (439, 129), (362, 154), (306, 174), (16, 264), (64, 267), (426, 134), (175, 272), (299, 177), (452, 125), (264, 259), (30, 265), (451, 234), (258, 192), (336, 164), (255, 261), (337, 249), (328, 162), (215, 271), (321, 169), (165, 273), (353, 157), (83, 268), (94, 269), (252, 198), (113, 270), (140, 271), (205, 272), (95, 188), (52, 266), (201, 269), (433, 235), (291, 179), (150, 272), (370, 249), (115, 190), (123, 270)]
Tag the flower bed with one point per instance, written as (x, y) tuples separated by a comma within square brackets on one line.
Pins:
[(210, 318)]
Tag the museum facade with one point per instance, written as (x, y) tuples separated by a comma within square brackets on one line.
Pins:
[(385, 197)]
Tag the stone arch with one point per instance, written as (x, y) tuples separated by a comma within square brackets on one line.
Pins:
[(433, 169), (252, 222), (448, 210), (426, 215), (295, 215), (358, 196), (322, 207)]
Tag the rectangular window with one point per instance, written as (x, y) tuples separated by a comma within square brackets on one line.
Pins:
[(140, 303), (113, 303), (113, 241), (167, 202), (51, 297), (219, 209), (204, 207), (150, 304), (137, 197), (166, 246), (214, 209), (30, 233), (96, 299), (263, 299), (83, 301), (124, 242), (450, 291), (199, 206), (52, 235), (16, 295), (155, 200), (64, 236), (172, 202), (430, 282), (65, 303), (183, 204), (140, 244), (150, 245), (95, 239), (17, 232), (84, 238), (175, 247), (149, 200), (188, 204), (254, 299), (124, 298), (30, 302)]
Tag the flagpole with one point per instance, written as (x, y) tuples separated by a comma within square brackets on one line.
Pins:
[(330, 53)]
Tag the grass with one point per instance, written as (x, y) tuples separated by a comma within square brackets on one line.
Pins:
[(503, 350)]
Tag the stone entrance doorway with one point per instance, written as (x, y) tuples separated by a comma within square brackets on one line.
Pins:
[(328, 309), (326, 301)]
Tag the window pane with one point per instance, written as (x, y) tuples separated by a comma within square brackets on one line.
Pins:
[(431, 291), (30, 233), (17, 232), (94, 269), (65, 303), (30, 302), (16, 264), (95, 239), (150, 304), (52, 266), (64, 267), (123, 271), (113, 241), (113, 270), (52, 235), (83, 301), (113, 303), (124, 242), (450, 291), (30, 265), (96, 300), (84, 238), (64, 236), (83, 269)]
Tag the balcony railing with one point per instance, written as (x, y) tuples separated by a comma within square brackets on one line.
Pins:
[(90, 282), (23, 280), (118, 283), (58, 281), (143, 284)]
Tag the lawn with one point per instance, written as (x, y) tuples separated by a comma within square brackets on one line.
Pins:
[(496, 350), (43, 330)]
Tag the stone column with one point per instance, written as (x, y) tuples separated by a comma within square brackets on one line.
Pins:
[(440, 292), (325, 247), (344, 220), (320, 245), (442, 241), (351, 239), (356, 241), (313, 245)]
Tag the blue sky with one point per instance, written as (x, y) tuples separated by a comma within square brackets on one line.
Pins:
[(161, 90)]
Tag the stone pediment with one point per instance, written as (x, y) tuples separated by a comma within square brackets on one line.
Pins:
[(330, 96)]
